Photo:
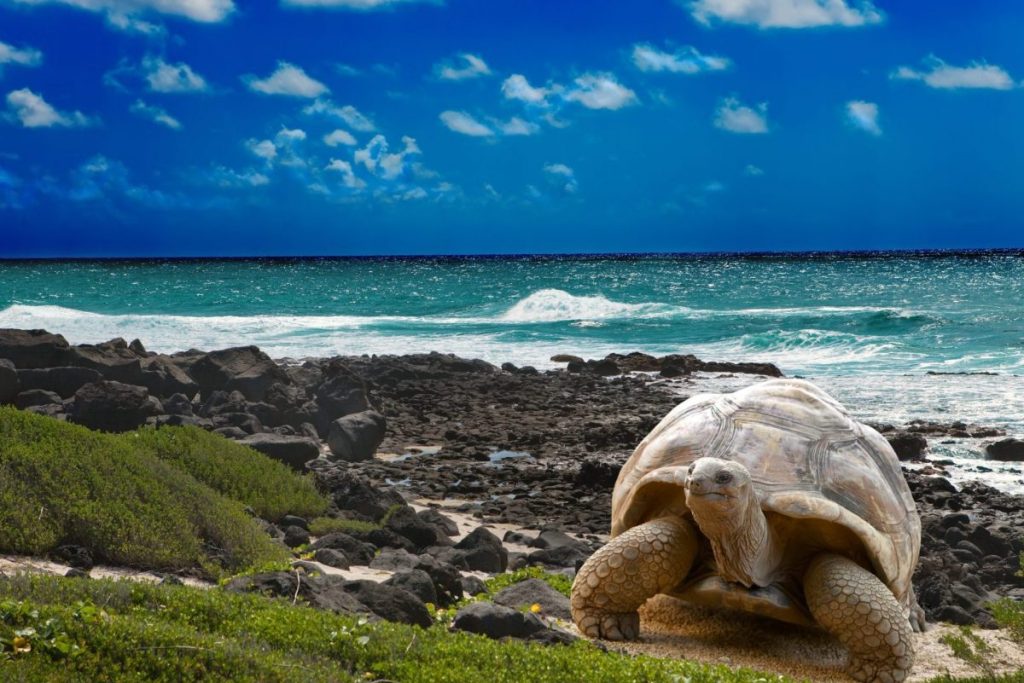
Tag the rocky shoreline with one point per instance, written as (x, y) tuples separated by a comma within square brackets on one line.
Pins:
[(515, 445)]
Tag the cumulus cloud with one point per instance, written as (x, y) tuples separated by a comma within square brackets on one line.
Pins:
[(264, 149), (288, 80), (687, 60), (224, 177), (340, 137), (472, 66), (516, 126), (348, 176), (786, 13), (352, 117), (165, 77), (24, 56), (752, 170), (600, 91), (461, 122), (516, 87), (204, 11), (32, 111), (127, 23), (155, 114), (736, 117), (562, 178), (944, 76), (379, 161), (863, 115), (357, 5)]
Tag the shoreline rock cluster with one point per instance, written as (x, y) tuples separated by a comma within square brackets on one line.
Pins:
[(540, 450)]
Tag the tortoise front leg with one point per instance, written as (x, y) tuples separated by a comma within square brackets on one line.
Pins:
[(634, 566), (858, 609)]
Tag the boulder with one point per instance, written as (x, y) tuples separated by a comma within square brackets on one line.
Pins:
[(437, 520), (562, 556), (63, 381), (417, 582), (908, 445), (9, 384), (33, 348), (535, 591), (321, 592), (342, 393), (483, 551), (405, 522), (111, 359), (164, 378), (1006, 450), (332, 558), (294, 451), (389, 602), (394, 559), (294, 536), (245, 369), (351, 492), (74, 555), (294, 520), (354, 438), (36, 397), (112, 406), (473, 585), (357, 552), (178, 404), (555, 538), (497, 621)]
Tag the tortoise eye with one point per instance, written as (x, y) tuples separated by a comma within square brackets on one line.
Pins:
[(723, 478)]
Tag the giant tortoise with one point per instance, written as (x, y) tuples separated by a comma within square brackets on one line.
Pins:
[(771, 500)]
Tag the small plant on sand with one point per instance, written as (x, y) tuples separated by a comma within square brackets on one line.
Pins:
[(971, 648)]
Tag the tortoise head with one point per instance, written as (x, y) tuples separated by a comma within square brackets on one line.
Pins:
[(718, 491)]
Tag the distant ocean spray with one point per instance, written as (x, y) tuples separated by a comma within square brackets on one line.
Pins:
[(868, 327)]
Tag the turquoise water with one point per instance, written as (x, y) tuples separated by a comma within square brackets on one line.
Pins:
[(869, 330), (821, 316)]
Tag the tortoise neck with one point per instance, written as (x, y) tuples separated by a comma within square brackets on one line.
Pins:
[(746, 551)]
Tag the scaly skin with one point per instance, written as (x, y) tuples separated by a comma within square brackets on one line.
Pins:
[(859, 610), (636, 565)]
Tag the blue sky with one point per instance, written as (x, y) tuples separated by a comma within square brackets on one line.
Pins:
[(334, 127)]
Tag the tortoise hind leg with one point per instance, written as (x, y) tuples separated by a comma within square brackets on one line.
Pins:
[(859, 610), (634, 566)]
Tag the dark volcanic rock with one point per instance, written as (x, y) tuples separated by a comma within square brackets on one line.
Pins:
[(498, 621), (112, 406), (356, 437), (74, 555), (483, 551), (350, 491), (294, 536), (908, 445), (441, 523), (294, 451), (320, 592), (535, 591), (390, 602), (9, 384), (245, 369), (64, 381), (417, 582), (1007, 450), (358, 552), (33, 348), (112, 359), (36, 397), (332, 558)]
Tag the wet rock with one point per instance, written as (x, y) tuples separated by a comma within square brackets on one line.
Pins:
[(356, 437), (294, 451), (112, 406), (1007, 450), (535, 591), (908, 445)]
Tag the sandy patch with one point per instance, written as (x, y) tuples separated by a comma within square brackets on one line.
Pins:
[(672, 630), (16, 564)]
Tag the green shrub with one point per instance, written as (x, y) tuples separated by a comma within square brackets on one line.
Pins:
[(1009, 614), (321, 526), (560, 582), (176, 633), (269, 487), (61, 483)]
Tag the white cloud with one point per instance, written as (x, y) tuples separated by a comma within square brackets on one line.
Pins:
[(25, 56), (264, 149), (205, 11), (349, 114), (561, 177), (473, 67), (287, 136), (688, 60), (348, 176), (863, 115), (786, 13), (753, 170), (32, 111), (461, 122), (946, 77), (155, 114), (127, 23), (230, 178), (600, 91), (376, 158), (517, 126), (171, 78), (288, 80), (516, 87), (735, 117), (339, 137), (358, 5)]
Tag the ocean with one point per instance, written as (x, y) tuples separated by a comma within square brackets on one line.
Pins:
[(871, 328)]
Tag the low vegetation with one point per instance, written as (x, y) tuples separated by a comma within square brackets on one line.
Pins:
[(117, 631), (146, 499)]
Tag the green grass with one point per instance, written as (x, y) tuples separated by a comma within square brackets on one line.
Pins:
[(321, 526), (269, 487), (1009, 614), (560, 582), (120, 631), (64, 484)]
